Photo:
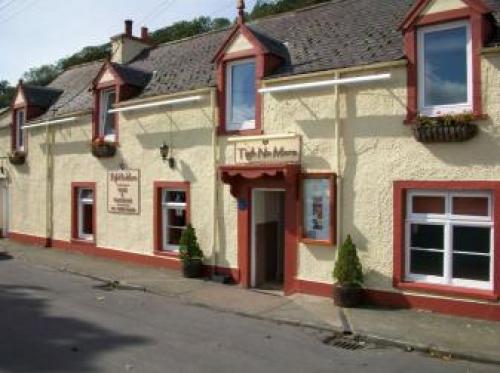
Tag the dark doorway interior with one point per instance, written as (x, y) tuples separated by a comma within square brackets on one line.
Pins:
[(269, 238)]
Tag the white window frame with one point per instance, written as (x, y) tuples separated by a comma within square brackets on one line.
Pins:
[(448, 221), (437, 110), (82, 202), (166, 206), (230, 124), (103, 103), (20, 130)]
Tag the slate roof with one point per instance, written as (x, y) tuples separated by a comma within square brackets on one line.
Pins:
[(337, 34), (41, 96), (132, 76)]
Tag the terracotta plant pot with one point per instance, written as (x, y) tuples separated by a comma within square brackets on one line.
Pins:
[(192, 268), (103, 150), (17, 158), (347, 296), (445, 133)]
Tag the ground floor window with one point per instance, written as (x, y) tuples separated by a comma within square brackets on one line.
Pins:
[(449, 238), (84, 211), (172, 215)]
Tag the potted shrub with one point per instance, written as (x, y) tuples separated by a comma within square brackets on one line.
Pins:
[(348, 273), (191, 254), (102, 148), (447, 128), (17, 157)]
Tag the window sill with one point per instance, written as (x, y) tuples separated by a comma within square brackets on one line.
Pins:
[(254, 132), (326, 243), (487, 295), (83, 242), (167, 254)]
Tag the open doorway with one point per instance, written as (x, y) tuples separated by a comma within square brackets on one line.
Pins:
[(268, 239), (4, 208)]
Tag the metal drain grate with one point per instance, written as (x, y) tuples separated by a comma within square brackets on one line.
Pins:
[(346, 343)]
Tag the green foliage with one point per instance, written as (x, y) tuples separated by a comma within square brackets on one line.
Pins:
[(264, 8), (189, 247), (7, 93), (87, 54), (348, 270), (42, 75), (445, 120)]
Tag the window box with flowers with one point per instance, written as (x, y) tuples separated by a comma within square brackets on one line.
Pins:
[(17, 157), (448, 128), (103, 149)]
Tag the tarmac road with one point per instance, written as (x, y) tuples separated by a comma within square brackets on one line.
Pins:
[(52, 321)]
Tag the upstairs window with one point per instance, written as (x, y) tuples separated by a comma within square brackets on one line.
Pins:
[(107, 122), (445, 69), (241, 95), (20, 118)]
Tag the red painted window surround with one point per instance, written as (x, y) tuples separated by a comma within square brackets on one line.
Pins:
[(75, 186), (480, 29), (264, 63), (157, 212), (15, 110), (399, 214), (96, 117), (332, 241)]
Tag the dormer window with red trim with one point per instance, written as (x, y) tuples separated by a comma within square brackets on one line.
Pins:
[(243, 60), (443, 42), (114, 83), (107, 120)]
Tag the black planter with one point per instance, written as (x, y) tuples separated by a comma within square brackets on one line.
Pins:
[(192, 268), (445, 133), (106, 150), (347, 296), (17, 158)]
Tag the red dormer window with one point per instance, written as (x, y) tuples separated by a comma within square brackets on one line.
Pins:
[(443, 44), (242, 62)]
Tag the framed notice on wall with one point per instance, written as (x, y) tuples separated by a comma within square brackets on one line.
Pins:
[(124, 192), (318, 208)]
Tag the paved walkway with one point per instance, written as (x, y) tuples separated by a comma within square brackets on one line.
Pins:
[(442, 335)]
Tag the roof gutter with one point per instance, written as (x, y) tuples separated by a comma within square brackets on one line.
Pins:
[(325, 83), (172, 102)]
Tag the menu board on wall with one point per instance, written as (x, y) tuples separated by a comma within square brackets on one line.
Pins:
[(123, 192), (317, 209)]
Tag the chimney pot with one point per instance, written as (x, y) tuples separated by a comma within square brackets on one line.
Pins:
[(128, 27), (144, 33)]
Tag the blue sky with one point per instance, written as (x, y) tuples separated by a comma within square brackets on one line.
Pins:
[(37, 32)]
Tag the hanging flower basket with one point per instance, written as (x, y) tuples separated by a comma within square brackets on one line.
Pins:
[(17, 157), (450, 128), (103, 149)]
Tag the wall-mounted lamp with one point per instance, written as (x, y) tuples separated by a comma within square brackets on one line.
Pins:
[(164, 152), (164, 149)]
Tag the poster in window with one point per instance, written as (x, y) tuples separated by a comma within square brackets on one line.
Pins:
[(317, 209)]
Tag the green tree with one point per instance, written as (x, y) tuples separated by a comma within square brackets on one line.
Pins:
[(6, 93), (42, 75), (348, 270)]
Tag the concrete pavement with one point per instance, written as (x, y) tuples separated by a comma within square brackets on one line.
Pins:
[(433, 333)]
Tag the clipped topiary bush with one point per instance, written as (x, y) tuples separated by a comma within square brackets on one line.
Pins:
[(348, 270), (189, 247)]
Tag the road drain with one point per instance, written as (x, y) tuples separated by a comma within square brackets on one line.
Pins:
[(345, 342), (116, 285)]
